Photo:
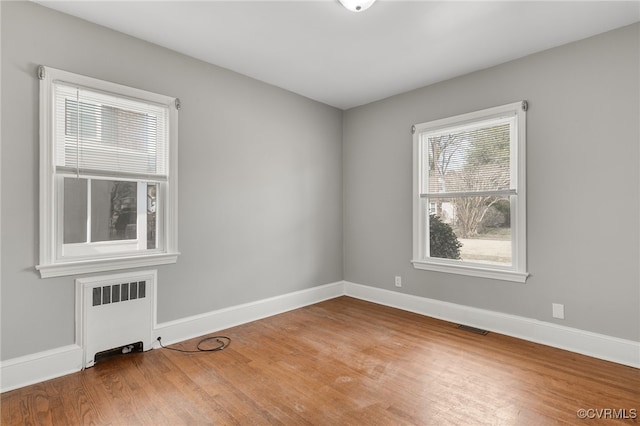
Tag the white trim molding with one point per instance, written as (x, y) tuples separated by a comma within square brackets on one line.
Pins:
[(35, 368), (199, 325), (621, 351), (101, 265), (470, 270)]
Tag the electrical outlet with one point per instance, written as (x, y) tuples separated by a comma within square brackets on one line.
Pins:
[(398, 281), (558, 310)]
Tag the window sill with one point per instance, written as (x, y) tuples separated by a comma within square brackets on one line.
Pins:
[(472, 271), (102, 265)]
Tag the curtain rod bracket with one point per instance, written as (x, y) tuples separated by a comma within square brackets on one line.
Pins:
[(178, 104), (41, 72), (525, 105)]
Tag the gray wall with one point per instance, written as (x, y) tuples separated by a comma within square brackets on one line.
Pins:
[(268, 180), (260, 178), (583, 185)]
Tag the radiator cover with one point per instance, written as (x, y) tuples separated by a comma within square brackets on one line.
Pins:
[(113, 311)]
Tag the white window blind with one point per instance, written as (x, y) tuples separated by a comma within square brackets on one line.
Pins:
[(468, 160), (100, 134)]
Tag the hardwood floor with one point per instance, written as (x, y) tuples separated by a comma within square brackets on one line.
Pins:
[(340, 362)]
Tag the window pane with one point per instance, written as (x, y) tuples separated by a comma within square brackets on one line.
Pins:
[(75, 211), (468, 160), (152, 194), (475, 229), (113, 210)]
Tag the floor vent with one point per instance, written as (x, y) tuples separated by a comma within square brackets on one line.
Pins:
[(114, 314), (473, 329)]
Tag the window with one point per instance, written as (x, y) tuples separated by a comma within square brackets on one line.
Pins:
[(108, 176), (469, 194)]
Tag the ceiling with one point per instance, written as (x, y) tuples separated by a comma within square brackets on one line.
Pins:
[(320, 50)]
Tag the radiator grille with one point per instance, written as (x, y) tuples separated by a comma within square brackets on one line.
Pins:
[(116, 293), (114, 311)]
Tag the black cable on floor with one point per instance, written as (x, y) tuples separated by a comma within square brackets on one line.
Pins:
[(223, 342)]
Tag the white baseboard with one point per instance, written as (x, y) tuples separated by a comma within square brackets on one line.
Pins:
[(35, 368), (210, 322), (621, 351)]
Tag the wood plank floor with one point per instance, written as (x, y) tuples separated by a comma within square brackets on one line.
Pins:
[(339, 362)]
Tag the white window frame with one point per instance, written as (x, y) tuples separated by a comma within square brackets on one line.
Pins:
[(517, 272), (52, 263)]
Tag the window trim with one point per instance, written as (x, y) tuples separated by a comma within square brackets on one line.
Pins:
[(49, 265), (518, 271)]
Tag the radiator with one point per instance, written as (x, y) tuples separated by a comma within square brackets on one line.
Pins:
[(114, 312)]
